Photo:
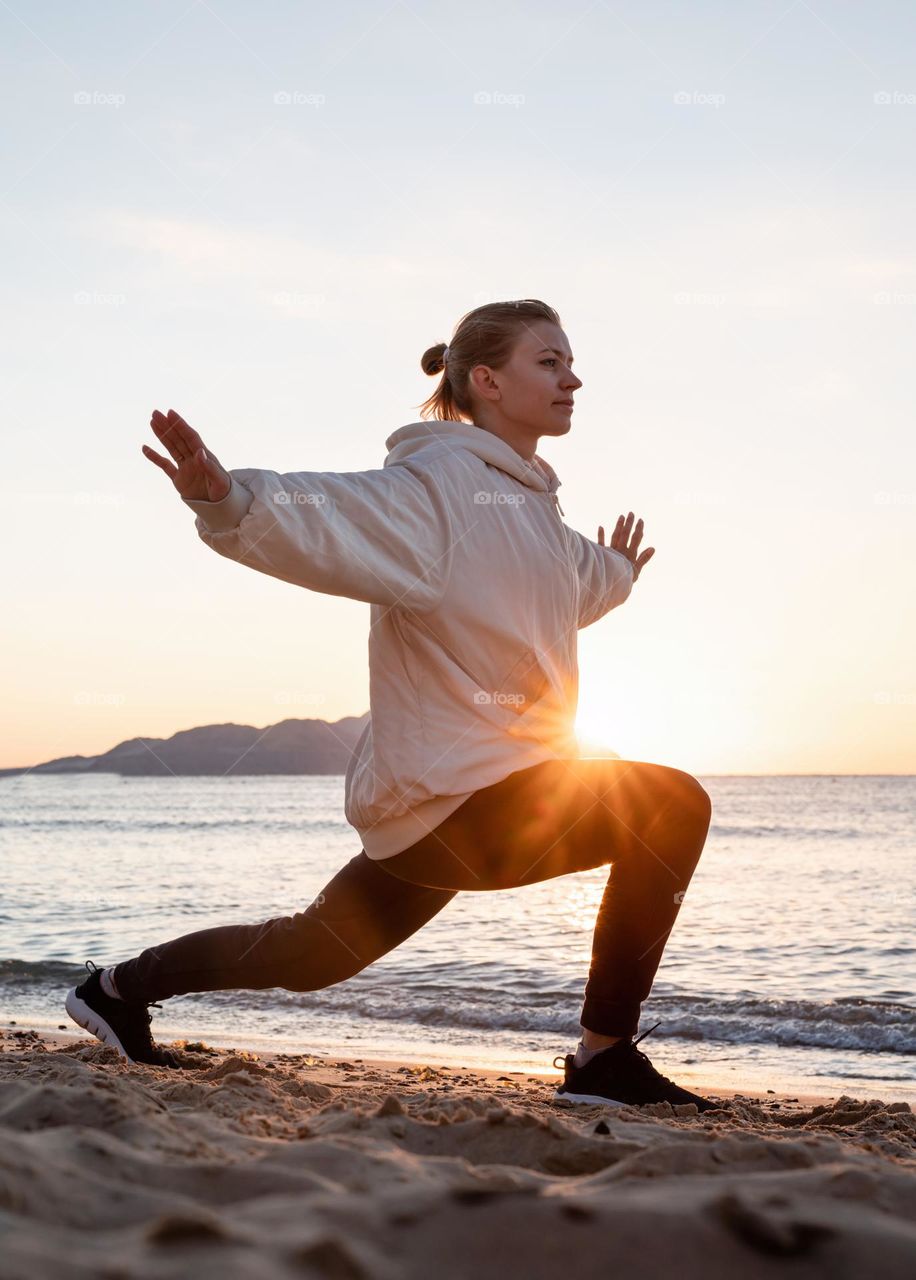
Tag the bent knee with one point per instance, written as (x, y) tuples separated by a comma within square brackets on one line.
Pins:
[(695, 796), (688, 792)]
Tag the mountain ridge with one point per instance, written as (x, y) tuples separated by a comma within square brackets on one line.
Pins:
[(288, 747)]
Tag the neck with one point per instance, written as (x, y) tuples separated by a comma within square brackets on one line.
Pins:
[(523, 440)]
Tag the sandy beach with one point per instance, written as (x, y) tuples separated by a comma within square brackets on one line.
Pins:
[(248, 1164)]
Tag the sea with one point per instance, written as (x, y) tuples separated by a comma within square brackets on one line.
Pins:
[(791, 965)]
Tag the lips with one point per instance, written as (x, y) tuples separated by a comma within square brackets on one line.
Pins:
[(566, 402)]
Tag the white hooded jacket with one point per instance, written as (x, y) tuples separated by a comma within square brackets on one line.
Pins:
[(477, 590)]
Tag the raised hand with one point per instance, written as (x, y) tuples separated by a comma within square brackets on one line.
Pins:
[(199, 473), (621, 538)]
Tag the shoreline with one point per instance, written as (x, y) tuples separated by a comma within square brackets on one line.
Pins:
[(326, 1068), (699, 1078)]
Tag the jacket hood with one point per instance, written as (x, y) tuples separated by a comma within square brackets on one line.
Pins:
[(416, 437)]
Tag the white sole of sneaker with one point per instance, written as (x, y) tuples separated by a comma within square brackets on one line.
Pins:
[(90, 1021), (591, 1098)]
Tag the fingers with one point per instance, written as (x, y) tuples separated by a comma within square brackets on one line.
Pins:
[(187, 433), (169, 436), (621, 533), (637, 536), (639, 565), (620, 540), (160, 462), (179, 438)]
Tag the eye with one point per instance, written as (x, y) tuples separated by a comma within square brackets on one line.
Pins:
[(549, 360)]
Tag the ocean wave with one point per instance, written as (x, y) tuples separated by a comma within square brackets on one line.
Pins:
[(847, 1023), (852, 1024)]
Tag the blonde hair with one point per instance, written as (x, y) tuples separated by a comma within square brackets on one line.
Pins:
[(486, 335)]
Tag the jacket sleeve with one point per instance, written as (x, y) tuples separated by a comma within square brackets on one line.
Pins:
[(382, 536), (605, 578)]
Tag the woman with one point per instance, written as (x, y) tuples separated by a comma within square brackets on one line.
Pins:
[(467, 775)]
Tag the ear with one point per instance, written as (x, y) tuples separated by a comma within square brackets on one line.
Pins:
[(482, 378)]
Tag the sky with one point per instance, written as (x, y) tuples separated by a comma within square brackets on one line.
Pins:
[(262, 215)]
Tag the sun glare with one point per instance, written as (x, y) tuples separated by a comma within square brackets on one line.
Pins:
[(593, 733)]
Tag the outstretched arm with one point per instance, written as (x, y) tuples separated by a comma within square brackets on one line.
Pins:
[(382, 536)]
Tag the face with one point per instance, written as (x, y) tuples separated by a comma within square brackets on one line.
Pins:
[(531, 395)]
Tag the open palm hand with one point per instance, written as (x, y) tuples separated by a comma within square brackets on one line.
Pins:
[(621, 541), (199, 474)]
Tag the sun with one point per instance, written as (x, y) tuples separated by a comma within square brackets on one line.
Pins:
[(593, 734)]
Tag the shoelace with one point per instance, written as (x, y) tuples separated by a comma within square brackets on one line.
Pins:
[(642, 1058)]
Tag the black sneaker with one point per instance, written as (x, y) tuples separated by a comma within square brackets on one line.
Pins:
[(123, 1026), (622, 1075)]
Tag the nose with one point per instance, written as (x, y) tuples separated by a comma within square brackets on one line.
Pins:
[(571, 382)]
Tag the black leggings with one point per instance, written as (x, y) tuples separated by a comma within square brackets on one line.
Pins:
[(648, 821)]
